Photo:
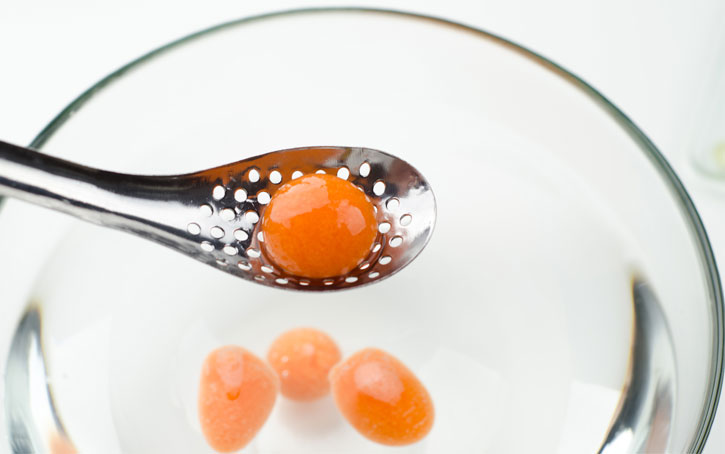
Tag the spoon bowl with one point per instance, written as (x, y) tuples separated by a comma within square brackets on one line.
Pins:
[(214, 215)]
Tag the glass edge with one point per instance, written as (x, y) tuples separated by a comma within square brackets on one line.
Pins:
[(647, 146)]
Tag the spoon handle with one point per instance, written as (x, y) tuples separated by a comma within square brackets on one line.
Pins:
[(98, 196)]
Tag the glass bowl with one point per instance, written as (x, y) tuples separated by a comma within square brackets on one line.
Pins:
[(567, 302)]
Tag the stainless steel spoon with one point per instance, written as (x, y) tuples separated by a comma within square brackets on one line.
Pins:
[(213, 215)]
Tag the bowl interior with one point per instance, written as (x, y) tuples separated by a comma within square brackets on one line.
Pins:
[(520, 316)]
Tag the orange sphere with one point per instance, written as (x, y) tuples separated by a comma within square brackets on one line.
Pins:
[(303, 358), (236, 394), (318, 226), (381, 398)]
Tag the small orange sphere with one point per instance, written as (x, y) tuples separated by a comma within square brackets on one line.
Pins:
[(303, 358), (318, 226), (381, 398), (237, 391), (60, 444)]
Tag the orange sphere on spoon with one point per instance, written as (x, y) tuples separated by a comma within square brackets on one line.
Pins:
[(319, 226)]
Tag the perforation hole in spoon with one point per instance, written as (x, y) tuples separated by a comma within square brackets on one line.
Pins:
[(275, 177), (253, 175), (227, 214), (343, 173), (216, 232), (240, 195), (241, 235), (263, 197), (206, 210)]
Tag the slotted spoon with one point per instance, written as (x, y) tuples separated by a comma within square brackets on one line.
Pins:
[(213, 215)]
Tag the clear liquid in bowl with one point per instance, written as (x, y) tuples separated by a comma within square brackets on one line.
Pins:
[(517, 317)]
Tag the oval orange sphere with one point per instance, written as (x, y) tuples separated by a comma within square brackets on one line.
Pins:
[(237, 391), (318, 226), (302, 358), (381, 398)]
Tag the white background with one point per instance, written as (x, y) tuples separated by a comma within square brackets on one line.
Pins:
[(659, 60)]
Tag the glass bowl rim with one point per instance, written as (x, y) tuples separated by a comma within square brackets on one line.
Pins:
[(644, 143)]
